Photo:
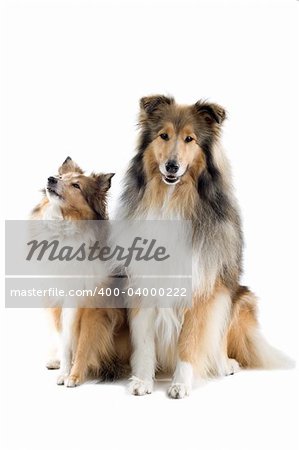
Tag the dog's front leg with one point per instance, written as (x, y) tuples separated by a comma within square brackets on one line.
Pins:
[(67, 333), (54, 322), (143, 360)]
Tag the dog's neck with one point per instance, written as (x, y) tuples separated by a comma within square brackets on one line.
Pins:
[(161, 201), (52, 212)]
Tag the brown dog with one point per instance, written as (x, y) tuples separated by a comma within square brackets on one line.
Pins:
[(180, 172), (92, 340)]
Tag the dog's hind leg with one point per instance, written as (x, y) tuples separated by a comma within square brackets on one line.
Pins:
[(200, 346), (95, 344), (226, 366)]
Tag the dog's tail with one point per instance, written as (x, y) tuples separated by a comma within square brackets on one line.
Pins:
[(245, 341)]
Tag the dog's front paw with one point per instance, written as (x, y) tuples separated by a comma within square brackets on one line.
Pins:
[(72, 381), (140, 387), (53, 364), (61, 379), (178, 390)]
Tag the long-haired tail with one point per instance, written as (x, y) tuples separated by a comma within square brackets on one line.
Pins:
[(245, 341)]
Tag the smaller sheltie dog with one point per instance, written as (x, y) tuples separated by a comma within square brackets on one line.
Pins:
[(93, 341)]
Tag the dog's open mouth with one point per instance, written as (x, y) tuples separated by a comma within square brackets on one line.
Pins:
[(170, 179)]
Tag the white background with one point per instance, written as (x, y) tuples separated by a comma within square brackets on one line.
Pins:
[(72, 74)]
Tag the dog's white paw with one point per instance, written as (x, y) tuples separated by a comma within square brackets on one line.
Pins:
[(140, 387), (178, 390), (61, 379), (53, 364), (72, 381), (232, 367)]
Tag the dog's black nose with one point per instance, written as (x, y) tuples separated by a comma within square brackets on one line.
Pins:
[(172, 166), (52, 180)]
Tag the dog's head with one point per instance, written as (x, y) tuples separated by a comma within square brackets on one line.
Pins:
[(174, 137), (79, 196)]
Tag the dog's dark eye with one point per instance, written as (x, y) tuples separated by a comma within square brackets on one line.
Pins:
[(76, 185), (188, 139), (164, 136)]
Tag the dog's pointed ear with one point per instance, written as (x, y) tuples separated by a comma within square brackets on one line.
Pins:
[(69, 165), (103, 180), (97, 196), (210, 112), (149, 105)]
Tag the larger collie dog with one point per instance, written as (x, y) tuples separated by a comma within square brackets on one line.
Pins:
[(181, 172)]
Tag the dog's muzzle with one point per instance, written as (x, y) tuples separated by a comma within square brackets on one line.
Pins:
[(171, 173), (52, 186)]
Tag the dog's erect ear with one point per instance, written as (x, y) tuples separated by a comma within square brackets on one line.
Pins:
[(211, 112), (68, 166), (96, 194), (103, 180), (152, 103)]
